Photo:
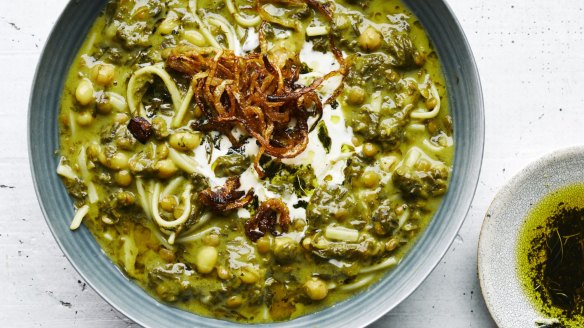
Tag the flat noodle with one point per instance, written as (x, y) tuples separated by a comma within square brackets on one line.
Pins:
[(258, 95)]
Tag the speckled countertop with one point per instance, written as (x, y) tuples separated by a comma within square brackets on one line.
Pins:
[(530, 55)]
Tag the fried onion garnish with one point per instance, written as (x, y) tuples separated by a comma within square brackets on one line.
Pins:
[(257, 92), (270, 214), (227, 197)]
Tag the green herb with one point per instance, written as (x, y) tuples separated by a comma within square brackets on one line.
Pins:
[(323, 136), (291, 179), (305, 68), (230, 165), (301, 204), (320, 43)]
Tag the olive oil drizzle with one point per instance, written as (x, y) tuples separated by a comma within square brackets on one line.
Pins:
[(551, 255)]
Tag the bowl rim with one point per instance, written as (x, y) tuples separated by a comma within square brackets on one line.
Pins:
[(481, 111), (472, 75)]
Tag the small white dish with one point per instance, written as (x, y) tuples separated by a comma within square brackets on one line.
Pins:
[(497, 251)]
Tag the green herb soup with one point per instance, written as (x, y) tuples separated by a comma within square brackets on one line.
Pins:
[(551, 254), (255, 161)]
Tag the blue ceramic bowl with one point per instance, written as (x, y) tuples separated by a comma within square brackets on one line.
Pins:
[(466, 107)]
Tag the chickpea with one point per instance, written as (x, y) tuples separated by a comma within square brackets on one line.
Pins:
[(165, 168), (448, 122), (117, 101), (84, 92), (423, 165), (264, 244), (184, 141), (370, 179), (432, 127), (165, 292), (370, 149), (306, 243), (126, 198), (391, 244), (118, 161), (103, 74), (85, 118), (299, 224), (370, 197), (316, 289), (206, 259), (121, 118), (341, 214), (167, 255), (355, 95), (400, 209), (102, 159), (160, 127), (123, 178), (249, 275), (357, 141), (387, 163), (211, 239), (104, 105), (162, 151), (93, 151), (178, 211), (123, 140), (411, 88), (141, 13), (419, 59), (285, 249), (342, 22), (234, 301), (223, 273), (431, 103), (155, 56), (111, 31), (197, 112), (392, 75), (168, 203), (370, 39)]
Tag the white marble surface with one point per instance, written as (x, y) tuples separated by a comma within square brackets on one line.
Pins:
[(530, 55)]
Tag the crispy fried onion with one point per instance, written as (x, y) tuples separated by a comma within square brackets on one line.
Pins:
[(227, 197), (270, 214), (257, 92)]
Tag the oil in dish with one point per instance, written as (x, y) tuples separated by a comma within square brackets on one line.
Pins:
[(255, 161), (550, 256)]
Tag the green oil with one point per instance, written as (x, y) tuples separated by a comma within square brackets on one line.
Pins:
[(550, 257)]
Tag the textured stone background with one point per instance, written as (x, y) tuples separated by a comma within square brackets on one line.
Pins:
[(530, 55)]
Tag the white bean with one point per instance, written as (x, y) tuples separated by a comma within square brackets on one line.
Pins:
[(84, 92), (206, 259)]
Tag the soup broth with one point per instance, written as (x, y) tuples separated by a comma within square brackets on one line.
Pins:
[(255, 161)]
